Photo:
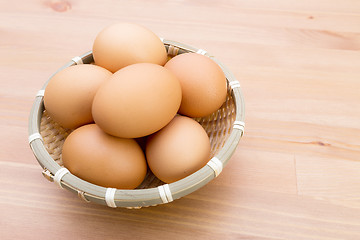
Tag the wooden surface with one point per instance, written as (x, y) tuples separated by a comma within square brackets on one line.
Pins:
[(296, 172)]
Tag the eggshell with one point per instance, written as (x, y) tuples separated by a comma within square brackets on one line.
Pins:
[(101, 159), (69, 94), (178, 150), (137, 100), (203, 84), (122, 44)]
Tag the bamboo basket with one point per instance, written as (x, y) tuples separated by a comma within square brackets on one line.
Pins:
[(225, 127)]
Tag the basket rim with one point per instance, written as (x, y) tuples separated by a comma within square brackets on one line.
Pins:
[(137, 198)]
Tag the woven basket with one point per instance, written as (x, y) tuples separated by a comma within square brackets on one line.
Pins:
[(224, 127)]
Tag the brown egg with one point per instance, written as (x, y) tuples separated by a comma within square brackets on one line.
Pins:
[(104, 160), (122, 44), (137, 100), (70, 92), (203, 84), (178, 150)]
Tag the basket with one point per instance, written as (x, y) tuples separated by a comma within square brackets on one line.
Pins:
[(224, 127)]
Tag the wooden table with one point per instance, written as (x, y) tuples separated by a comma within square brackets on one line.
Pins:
[(296, 172)]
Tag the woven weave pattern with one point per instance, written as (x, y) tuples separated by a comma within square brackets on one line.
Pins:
[(218, 125), (54, 136)]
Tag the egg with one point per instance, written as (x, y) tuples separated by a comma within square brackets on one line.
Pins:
[(178, 150), (123, 44), (104, 160), (203, 83), (69, 94), (137, 100)]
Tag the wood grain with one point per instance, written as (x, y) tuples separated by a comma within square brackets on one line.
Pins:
[(296, 172)]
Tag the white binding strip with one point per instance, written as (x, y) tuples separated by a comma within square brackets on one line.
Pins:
[(110, 197), (162, 39), (201, 51), (77, 60), (34, 136), (162, 194), (216, 165), (165, 193), (40, 93), (168, 193), (172, 50), (59, 175), (239, 125), (234, 84)]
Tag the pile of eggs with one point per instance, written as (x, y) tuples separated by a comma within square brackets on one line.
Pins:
[(133, 94)]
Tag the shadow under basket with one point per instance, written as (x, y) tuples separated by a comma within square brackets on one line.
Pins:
[(224, 127)]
